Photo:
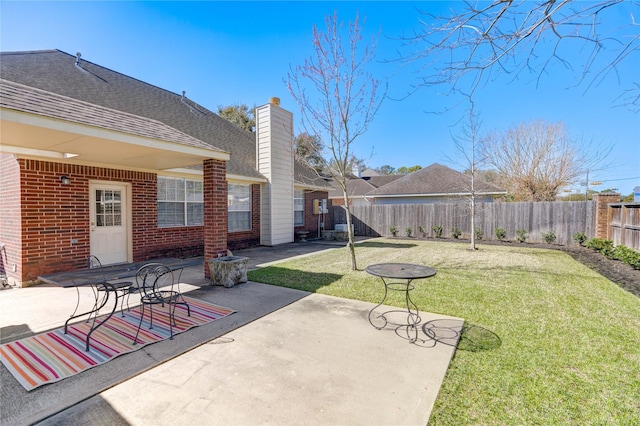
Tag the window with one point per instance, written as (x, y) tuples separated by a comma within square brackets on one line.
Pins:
[(108, 208), (239, 206), (298, 207), (180, 202)]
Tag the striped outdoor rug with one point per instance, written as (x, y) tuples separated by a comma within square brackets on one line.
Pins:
[(52, 356)]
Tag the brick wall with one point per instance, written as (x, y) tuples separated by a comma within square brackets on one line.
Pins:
[(50, 215), (601, 214), (246, 239), (151, 242), (310, 219)]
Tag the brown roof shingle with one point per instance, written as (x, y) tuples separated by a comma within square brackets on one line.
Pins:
[(27, 99), (110, 91), (435, 179)]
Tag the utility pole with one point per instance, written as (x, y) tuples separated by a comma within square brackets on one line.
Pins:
[(586, 191)]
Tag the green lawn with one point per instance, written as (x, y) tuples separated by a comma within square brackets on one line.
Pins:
[(569, 349)]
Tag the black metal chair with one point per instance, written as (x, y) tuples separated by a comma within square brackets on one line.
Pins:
[(157, 286), (121, 288)]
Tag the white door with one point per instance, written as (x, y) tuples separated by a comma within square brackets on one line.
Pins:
[(109, 222)]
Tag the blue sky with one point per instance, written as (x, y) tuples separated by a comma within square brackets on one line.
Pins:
[(223, 53)]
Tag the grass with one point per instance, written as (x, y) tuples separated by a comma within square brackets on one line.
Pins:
[(569, 339)]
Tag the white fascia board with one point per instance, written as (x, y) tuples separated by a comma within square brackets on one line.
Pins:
[(30, 152), (184, 171), (244, 179)]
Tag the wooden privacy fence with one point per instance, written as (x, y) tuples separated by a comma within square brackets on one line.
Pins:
[(564, 218), (624, 224)]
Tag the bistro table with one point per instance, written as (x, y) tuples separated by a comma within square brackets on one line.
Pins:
[(94, 278), (398, 277)]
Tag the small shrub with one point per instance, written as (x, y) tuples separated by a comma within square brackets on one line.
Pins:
[(479, 234), (627, 255), (501, 234), (408, 230), (521, 235), (601, 245), (549, 237), (393, 230), (622, 253), (437, 231), (580, 238), (422, 231), (455, 232)]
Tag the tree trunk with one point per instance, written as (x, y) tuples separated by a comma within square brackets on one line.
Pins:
[(350, 244), (473, 223)]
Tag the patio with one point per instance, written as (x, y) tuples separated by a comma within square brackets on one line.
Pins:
[(292, 356)]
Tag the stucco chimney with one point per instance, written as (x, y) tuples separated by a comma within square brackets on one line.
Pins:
[(274, 156)]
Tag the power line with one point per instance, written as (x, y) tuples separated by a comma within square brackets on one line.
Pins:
[(616, 180)]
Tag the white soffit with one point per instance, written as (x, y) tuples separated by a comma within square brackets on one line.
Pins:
[(35, 135)]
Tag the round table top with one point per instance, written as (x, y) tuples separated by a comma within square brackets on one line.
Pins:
[(407, 271)]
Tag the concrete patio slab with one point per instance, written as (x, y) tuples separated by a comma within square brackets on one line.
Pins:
[(285, 357), (317, 361)]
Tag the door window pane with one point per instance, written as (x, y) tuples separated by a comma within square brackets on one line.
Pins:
[(108, 207)]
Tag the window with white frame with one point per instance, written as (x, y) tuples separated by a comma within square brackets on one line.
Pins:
[(239, 207), (298, 207), (180, 202)]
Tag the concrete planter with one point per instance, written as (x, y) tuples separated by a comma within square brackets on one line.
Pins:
[(342, 236), (228, 270), (328, 235)]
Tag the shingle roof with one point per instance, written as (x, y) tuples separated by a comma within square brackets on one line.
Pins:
[(56, 71), (28, 99), (381, 180), (435, 179), (356, 187)]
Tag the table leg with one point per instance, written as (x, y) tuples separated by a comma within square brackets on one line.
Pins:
[(94, 327), (376, 307), (95, 309), (410, 325), (412, 319)]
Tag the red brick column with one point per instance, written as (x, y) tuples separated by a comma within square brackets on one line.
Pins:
[(601, 214), (215, 210)]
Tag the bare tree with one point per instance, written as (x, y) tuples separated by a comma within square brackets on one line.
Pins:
[(338, 97), (468, 48), (467, 144), (535, 160)]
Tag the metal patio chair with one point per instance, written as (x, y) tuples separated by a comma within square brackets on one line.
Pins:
[(157, 286)]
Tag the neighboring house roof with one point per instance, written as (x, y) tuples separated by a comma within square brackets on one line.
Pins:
[(117, 96), (359, 187), (369, 173), (381, 180), (434, 180), (356, 187)]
